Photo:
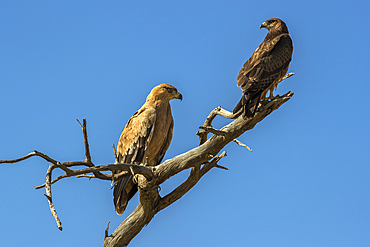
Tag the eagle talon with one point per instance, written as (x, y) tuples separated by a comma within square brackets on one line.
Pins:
[(270, 98), (135, 178)]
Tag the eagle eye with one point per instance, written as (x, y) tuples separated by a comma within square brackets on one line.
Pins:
[(170, 90)]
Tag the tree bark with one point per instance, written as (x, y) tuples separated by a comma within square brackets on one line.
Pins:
[(150, 201), (200, 160)]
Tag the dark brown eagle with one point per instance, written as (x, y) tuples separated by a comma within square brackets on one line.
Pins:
[(145, 138), (265, 68)]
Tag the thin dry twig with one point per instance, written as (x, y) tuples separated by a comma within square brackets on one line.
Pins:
[(222, 167), (34, 153), (106, 230), (48, 196), (138, 169), (213, 130), (86, 142), (69, 173), (207, 126), (242, 144), (115, 154), (286, 76)]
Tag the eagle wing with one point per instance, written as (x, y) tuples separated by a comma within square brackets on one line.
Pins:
[(136, 136), (134, 141), (145, 139), (266, 63)]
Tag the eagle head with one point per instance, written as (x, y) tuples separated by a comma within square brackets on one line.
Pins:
[(165, 92), (274, 24)]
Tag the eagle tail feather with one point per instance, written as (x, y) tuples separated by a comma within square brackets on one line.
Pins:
[(242, 102), (249, 102), (123, 191), (252, 107)]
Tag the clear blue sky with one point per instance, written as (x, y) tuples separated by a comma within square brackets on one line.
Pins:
[(307, 181)]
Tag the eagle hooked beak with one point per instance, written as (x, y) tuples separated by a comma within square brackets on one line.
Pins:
[(263, 25), (179, 96)]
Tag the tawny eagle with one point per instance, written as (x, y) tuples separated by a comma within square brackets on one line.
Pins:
[(265, 68), (145, 138)]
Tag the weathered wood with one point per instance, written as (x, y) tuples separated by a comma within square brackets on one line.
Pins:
[(150, 201), (150, 178)]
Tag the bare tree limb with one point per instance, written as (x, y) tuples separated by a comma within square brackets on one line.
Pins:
[(86, 142), (34, 153), (150, 203), (138, 169), (208, 123), (212, 130), (222, 167), (242, 144), (106, 230), (286, 77), (194, 177), (48, 196), (200, 160)]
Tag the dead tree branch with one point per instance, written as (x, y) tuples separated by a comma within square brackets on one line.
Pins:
[(200, 160), (48, 196), (150, 201), (242, 144)]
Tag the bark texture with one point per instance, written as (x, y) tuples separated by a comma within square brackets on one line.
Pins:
[(200, 160)]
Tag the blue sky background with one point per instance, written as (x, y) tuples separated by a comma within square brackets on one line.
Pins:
[(307, 181)]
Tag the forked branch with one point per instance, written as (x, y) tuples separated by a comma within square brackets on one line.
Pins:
[(205, 154), (200, 160)]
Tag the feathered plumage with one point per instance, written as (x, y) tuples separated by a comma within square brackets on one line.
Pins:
[(267, 65), (146, 137)]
